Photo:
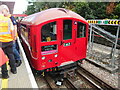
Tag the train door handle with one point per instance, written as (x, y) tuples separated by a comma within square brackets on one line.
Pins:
[(61, 43)]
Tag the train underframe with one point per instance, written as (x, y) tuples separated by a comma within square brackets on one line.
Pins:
[(58, 74)]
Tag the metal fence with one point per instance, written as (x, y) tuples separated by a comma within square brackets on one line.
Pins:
[(103, 47)]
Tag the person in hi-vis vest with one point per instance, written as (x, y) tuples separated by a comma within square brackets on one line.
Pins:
[(7, 38), (15, 44)]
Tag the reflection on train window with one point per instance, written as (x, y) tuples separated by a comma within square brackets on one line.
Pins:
[(49, 32), (25, 32), (49, 49), (81, 30), (67, 29)]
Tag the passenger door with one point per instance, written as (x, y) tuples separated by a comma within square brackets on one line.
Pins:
[(67, 43)]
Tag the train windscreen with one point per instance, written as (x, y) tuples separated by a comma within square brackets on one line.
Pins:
[(49, 32)]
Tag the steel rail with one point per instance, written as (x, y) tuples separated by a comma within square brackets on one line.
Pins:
[(68, 83), (48, 80), (93, 79)]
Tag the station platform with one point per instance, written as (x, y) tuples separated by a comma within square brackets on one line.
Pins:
[(24, 77)]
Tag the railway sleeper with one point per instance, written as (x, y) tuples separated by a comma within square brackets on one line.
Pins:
[(60, 73)]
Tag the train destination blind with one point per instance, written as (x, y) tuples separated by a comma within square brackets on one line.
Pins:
[(104, 22)]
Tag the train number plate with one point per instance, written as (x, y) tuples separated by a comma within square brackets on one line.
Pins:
[(67, 44)]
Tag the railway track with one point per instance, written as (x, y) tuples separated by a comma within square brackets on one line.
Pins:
[(51, 83), (69, 84), (89, 79), (74, 81), (94, 81)]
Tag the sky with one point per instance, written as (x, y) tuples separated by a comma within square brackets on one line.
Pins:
[(20, 6)]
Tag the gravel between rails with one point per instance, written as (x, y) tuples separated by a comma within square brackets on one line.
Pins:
[(111, 79)]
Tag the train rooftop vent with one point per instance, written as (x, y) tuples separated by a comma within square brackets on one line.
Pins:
[(62, 9)]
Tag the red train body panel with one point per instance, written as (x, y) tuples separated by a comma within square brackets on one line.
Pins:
[(54, 37)]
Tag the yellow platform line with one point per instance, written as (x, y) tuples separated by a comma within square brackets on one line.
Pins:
[(4, 84)]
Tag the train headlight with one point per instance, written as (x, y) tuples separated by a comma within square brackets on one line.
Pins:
[(43, 58), (56, 55)]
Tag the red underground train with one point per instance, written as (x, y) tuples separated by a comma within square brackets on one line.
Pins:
[(54, 38)]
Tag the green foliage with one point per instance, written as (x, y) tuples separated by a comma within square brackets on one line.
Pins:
[(117, 11), (88, 10)]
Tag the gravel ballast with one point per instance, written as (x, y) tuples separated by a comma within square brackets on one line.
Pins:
[(109, 78)]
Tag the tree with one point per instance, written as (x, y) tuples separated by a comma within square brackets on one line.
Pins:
[(89, 10)]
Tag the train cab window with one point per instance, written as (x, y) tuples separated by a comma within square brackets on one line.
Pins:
[(81, 30), (49, 32), (67, 29)]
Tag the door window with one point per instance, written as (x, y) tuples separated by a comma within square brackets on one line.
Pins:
[(67, 29)]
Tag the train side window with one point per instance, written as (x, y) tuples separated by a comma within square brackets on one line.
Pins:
[(81, 30), (49, 32), (67, 29), (29, 34), (25, 32)]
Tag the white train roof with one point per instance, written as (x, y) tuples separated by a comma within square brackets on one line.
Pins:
[(50, 14)]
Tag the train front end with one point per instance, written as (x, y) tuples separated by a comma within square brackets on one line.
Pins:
[(55, 40)]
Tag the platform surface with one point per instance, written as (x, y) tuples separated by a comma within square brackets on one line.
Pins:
[(24, 77), (19, 80)]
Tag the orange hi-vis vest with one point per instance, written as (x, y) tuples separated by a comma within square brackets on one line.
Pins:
[(6, 28)]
